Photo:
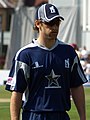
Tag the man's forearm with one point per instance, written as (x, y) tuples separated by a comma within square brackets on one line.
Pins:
[(79, 100), (15, 106)]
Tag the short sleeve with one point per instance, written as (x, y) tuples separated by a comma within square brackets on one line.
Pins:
[(19, 75), (77, 74)]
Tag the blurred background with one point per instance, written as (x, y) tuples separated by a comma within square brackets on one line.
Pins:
[(16, 28)]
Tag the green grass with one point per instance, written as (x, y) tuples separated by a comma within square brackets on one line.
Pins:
[(87, 95), (4, 106), (5, 113), (4, 93)]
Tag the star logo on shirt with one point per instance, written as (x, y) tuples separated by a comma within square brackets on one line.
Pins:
[(53, 79)]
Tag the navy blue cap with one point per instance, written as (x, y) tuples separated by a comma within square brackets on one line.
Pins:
[(48, 12)]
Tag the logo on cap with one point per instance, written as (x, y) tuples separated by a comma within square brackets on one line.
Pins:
[(52, 9)]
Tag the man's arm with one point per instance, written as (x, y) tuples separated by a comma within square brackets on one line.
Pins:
[(15, 105), (79, 100)]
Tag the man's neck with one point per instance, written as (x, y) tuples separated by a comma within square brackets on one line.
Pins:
[(46, 43)]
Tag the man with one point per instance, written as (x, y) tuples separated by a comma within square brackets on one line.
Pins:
[(45, 73)]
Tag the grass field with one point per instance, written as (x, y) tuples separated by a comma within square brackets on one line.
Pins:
[(4, 106)]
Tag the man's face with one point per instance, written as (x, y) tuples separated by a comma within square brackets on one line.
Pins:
[(50, 29)]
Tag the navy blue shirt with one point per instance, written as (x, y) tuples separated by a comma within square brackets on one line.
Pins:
[(45, 76)]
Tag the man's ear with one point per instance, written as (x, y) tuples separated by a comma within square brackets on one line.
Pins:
[(37, 23)]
